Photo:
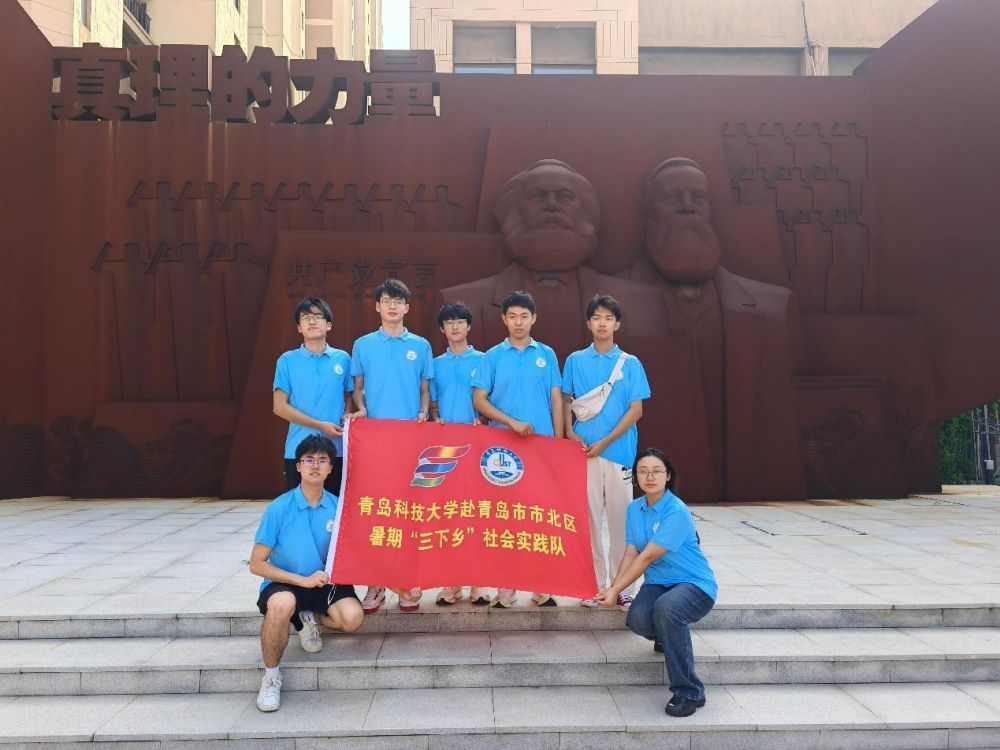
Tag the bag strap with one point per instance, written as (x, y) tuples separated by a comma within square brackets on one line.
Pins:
[(619, 366)]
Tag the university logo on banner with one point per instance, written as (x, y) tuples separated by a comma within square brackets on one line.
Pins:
[(446, 505)]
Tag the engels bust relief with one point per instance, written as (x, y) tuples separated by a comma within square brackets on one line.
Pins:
[(549, 215), (746, 337)]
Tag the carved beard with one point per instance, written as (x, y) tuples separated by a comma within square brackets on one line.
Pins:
[(686, 250), (549, 247)]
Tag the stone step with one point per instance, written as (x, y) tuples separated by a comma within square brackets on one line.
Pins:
[(141, 621), (498, 659), (846, 717)]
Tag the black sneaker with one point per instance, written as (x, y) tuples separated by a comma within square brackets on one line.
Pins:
[(657, 647), (680, 706)]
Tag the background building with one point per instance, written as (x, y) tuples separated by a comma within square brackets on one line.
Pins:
[(294, 28), (751, 37)]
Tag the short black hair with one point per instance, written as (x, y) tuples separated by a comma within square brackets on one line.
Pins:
[(520, 298), (308, 303), (656, 453), (606, 301), (454, 311), (395, 288), (315, 444)]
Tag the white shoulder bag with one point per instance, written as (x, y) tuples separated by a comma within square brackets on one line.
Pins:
[(589, 405)]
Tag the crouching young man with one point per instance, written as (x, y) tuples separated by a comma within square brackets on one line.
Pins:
[(289, 553)]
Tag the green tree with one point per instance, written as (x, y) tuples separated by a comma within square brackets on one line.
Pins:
[(955, 441)]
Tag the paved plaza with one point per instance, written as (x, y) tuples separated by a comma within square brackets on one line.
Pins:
[(131, 624), (79, 558)]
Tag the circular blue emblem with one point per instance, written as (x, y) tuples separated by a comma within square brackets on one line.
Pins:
[(501, 466)]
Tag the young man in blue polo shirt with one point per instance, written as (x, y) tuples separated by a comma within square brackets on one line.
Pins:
[(451, 400), (392, 371), (517, 387), (312, 389), (289, 553), (610, 437)]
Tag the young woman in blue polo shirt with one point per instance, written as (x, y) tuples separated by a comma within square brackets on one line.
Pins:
[(678, 588)]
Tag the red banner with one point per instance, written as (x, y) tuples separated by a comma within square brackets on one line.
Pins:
[(460, 505)]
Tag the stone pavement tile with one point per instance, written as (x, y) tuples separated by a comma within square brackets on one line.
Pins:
[(375, 678), (340, 650), (932, 595), (17, 653), (236, 651), (803, 707), (435, 648), (70, 628), (410, 742), (513, 647), (642, 710), (62, 586), (100, 653), (156, 587), (758, 644), (626, 646), (40, 683), (765, 577), (105, 571), (982, 592), (137, 604), (880, 577), (195, 716), (987, 693), (959, 642), (919, 705), (862, 643), (555, 709), (57, 718), (521, 741), (625, 740), (135, 682), (324, 713), (431, 711), (32, 605)]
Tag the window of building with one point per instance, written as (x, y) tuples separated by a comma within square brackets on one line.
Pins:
[(85, 12), (501, 68), (483, 49), (844, 60), (730, 61), (563, 49), (562, 69)]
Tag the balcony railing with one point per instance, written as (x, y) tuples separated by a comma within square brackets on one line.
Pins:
[(138, 11)]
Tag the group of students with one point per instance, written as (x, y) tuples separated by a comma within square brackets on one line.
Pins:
[(391, 374)]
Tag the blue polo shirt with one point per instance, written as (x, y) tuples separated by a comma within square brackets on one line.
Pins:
[(297, 533), (315, 384), (669, 524), (393, 367), (452, 385), (585, 370), (519, 382)]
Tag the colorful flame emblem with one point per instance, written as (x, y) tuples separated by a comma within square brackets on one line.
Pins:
[(434, 464)]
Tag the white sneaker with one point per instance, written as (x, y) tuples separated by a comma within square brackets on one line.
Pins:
[(374, 598), (269, 697), (309, 636), (590, 603)]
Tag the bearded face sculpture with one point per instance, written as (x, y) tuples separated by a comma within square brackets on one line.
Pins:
[(680, 240), (548, 215)]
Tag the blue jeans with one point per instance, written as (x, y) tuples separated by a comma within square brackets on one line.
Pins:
[(663, 613)]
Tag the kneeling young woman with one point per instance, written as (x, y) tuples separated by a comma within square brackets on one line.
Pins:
[(679, 587)]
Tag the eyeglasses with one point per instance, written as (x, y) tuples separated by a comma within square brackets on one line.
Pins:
[(311, 318), (310, 462), (392, 302), (650, 472)]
